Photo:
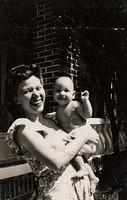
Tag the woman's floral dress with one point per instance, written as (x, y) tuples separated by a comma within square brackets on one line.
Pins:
[(52, 184)]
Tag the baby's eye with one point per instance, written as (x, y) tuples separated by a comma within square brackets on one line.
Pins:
[(66, 90)]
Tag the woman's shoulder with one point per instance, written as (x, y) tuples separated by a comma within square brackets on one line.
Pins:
[(22, 120), (10, 135), (19, 122)]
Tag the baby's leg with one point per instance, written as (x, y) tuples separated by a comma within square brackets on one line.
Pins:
[(93, 179), (83, 169), (78, 164)]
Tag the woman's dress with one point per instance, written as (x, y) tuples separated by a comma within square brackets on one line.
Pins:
[(52, 184)]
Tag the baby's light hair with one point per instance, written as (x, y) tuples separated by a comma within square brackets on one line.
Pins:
[(65, 77)]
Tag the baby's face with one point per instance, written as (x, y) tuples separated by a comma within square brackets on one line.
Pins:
[(64, 91)]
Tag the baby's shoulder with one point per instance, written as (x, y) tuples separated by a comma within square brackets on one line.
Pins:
[(75, 103)]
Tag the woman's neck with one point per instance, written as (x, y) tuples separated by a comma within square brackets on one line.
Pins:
[(35, 117)]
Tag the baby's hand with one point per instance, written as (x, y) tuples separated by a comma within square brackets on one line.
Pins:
[(84, 95)]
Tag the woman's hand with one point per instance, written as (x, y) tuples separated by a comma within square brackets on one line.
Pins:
[(93, 136), (87, 150), (86, 131)]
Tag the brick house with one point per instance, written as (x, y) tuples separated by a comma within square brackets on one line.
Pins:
[(61, 37), (58, 45)]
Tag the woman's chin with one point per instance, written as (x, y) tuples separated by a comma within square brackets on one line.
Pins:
[(37, 108), (40, 109)]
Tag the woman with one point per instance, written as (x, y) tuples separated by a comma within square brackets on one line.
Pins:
[(41, 142)]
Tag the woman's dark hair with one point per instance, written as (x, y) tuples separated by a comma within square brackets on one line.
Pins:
[(15, 76)]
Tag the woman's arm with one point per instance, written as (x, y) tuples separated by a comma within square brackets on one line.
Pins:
[(43, 151)]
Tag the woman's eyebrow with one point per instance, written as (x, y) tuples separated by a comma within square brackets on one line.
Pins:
[(26, 88)]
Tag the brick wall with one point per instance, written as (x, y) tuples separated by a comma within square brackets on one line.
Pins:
[(54, 47)]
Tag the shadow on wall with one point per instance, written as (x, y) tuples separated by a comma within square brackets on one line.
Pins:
[(5, 119)]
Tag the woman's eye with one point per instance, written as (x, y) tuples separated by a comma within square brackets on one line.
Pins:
[(39, 88), (58, 90), (25, 91)]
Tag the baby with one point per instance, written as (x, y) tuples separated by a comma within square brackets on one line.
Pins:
[(72, 114)]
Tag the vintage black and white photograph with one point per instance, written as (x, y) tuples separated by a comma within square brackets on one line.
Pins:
[(63, 109)]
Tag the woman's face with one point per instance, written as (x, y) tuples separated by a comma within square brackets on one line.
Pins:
[(31, 95)]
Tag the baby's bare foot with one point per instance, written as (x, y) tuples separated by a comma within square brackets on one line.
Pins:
[(82, 173), (93, 184)]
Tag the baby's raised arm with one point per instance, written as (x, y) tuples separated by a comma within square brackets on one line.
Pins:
[(85, 108)]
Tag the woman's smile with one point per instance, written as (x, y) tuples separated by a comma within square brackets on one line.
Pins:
[(37, 102), (31, 95)]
